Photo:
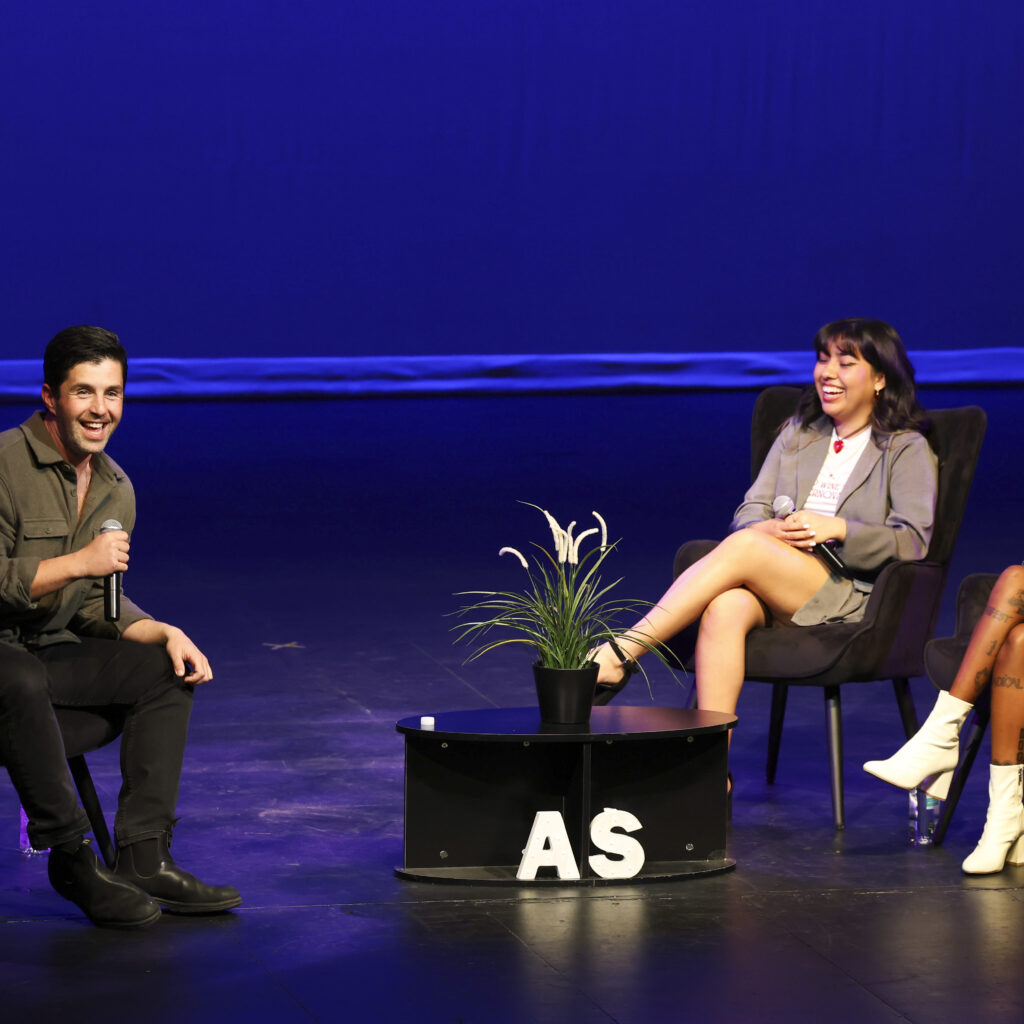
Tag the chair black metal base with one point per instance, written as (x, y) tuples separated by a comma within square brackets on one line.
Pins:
[(833, 736)]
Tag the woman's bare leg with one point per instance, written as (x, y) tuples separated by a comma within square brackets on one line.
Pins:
[(720, 660), (1002, 841), (1008, 700), (783, 577), (1004, 611)]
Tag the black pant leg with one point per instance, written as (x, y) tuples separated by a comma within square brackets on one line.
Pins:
[(32, 750), (139, 678)]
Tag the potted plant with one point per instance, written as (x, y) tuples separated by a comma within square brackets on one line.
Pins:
[(564, 612)]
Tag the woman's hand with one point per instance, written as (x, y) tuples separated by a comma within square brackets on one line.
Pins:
[(823, 528), (804, 529), (790, 530)]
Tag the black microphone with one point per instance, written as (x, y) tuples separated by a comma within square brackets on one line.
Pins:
[(783, 506), (112, 584)]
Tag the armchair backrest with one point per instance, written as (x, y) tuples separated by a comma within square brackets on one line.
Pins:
[(773, 407), (955, 436)]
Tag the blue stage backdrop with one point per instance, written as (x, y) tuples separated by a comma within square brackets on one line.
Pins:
[(332, 178)]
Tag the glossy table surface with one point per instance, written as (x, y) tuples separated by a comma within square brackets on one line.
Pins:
[(622, 722)]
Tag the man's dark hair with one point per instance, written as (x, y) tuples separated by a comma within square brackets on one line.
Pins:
[(82, 344)]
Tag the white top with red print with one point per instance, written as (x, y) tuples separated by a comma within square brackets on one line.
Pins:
[(834, 473)]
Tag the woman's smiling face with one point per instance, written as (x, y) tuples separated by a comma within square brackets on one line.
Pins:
[(846, 384)]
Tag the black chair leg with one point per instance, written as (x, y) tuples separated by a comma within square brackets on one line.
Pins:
[(91, 805), (691, 697), (780, 691), (905, 700), (834, 730), (976, 733)]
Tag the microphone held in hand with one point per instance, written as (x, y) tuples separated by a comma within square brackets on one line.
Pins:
[(112, 584), (783, 506)]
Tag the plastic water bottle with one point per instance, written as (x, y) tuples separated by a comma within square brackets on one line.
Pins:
[(922, 817)]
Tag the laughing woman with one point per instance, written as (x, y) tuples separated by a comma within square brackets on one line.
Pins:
[(863, 479)]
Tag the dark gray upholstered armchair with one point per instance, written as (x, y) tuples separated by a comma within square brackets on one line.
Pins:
[(942, 658), (85, 730), (888, 643)]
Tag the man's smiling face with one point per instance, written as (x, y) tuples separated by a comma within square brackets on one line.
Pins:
[(88, 408)]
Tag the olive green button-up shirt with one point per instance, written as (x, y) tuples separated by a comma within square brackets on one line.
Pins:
[(38, 520)]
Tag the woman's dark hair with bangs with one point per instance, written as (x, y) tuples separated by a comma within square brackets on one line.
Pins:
[(896, 407)]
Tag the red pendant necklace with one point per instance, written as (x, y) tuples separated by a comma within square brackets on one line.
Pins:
[(839, 442)]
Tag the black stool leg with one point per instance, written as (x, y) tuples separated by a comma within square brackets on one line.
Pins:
[(91, 804)]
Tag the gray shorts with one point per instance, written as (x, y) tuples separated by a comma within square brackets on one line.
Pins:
[(837, 600)]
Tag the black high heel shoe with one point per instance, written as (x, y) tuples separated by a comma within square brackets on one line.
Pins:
[(605, 692)]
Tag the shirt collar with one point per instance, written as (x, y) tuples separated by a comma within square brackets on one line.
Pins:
[(40, 442)]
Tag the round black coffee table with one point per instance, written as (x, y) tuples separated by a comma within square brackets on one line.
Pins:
[(476, 780)]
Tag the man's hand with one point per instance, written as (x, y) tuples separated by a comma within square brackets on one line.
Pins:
[(104, 554), (184, 655)]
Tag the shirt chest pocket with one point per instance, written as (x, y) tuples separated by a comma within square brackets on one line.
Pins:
[(45, 538)]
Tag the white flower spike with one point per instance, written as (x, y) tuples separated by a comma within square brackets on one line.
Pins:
[(574, 555), (566, 553), (518, 554), (604, 530), (557, 533)]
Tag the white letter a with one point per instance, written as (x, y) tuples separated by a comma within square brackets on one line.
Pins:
[(548, 846)]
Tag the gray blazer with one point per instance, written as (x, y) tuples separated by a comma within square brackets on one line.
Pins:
[(888, 502)]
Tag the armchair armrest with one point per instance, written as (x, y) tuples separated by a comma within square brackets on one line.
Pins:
[(971, 599)]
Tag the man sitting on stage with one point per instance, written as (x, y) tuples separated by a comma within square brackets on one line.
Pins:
[(58, 494)]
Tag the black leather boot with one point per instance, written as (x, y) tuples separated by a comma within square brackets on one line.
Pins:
[(149, 865), (108, 901)]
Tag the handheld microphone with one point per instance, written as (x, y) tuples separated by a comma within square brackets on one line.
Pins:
[(783, 506), (112, 584)]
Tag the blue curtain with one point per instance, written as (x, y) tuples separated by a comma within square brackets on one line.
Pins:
[(336, 178)]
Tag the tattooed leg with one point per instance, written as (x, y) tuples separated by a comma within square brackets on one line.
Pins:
[(1008, 700), (1005, 610)]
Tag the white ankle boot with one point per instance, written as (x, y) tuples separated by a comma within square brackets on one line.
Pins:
[(930, 754), (1002, 842)]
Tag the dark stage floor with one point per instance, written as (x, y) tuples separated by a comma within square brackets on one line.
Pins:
[(312, 550)]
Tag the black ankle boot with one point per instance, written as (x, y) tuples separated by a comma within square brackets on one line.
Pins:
[(108, 901), (149, 865)]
